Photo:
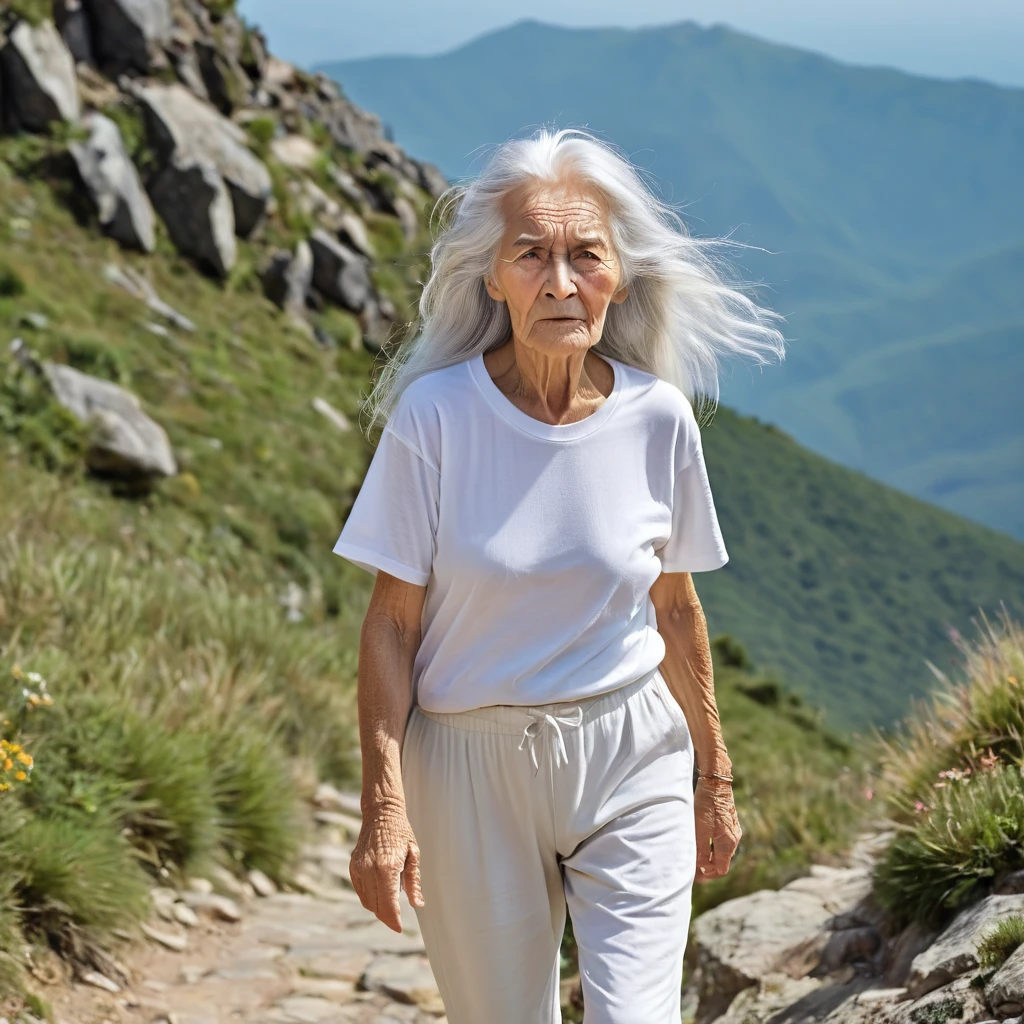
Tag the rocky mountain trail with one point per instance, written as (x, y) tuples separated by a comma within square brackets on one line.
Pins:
[(820, 950), (239, 949)]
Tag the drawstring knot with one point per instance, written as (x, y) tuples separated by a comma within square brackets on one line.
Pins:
[(540, 721)]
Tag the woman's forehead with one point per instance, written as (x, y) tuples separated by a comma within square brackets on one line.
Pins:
[(542, 208)]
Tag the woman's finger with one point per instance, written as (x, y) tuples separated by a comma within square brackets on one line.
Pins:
[(411, 876), (388, 909)]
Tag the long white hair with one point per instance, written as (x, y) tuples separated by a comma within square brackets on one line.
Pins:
[(683, 312)]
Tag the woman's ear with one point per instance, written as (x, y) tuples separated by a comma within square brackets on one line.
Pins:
[(621, 295), (492, 289)]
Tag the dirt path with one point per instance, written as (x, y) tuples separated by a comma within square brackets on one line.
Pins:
[(311, 957)]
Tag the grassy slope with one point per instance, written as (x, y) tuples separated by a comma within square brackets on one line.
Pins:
[(881, 195)]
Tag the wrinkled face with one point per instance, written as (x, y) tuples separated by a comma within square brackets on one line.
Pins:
[(556, 269)]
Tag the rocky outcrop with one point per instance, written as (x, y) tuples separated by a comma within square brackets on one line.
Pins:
[(955, 951), (287, 279), (1005, 989), (186, 131), (113, 184), (39, 77), (126, 32), (339, 274), (194, 203), (124, 441)]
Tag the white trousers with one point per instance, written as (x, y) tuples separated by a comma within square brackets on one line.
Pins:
[(519, 811)]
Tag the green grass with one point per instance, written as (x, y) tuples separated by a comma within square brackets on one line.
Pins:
[(952, 779), (997, 945)]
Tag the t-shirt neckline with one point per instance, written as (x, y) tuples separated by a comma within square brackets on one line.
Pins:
[(509, 411)]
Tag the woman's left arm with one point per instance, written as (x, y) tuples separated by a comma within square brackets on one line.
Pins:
[(687, 669)]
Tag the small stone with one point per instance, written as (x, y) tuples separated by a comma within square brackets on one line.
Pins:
[(101, 981), (169, 939), (192, 973), (185, 915), (201, 885), (407, 979), (220, 907), (334, 416), (229, 883), (36, 320), (261, 883), (163, 902)]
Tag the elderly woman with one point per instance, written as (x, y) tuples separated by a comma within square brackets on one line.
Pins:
[(535, 681)]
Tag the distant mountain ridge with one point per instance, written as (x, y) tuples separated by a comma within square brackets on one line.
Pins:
[(888, 205)]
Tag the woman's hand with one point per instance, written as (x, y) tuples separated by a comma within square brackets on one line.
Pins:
[(718, 827), (385, 860)]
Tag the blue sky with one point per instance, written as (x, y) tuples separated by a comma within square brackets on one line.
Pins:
[(944, 38)]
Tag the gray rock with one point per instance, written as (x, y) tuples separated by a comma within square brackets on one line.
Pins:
[(125, 30), (954, 952), (223, 908), (184, 129), (288, 277), (431, 180), (339, 274), (113, 184), (39, 77), (195, 204), (352, 231), (407, 979), (263, 885), (125, 442), (786, 931), (914, 939), (227, 84), (406, 214), (295, 151), (73, 25), (351, 127), (1005, 989)]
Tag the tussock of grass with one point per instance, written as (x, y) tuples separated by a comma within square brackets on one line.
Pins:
[(952, 778), (997, 945)]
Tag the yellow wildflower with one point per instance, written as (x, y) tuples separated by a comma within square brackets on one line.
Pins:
[(25, 758), (20, 776), (8, 764)]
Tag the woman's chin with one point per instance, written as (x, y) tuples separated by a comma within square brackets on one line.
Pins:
[(561, 337)]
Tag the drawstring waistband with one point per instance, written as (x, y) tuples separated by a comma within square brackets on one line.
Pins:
[(540, 721)]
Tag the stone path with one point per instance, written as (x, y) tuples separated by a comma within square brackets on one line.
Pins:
[(300, 957)]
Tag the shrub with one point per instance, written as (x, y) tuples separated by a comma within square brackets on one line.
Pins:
[(997, 945), (972, 832)]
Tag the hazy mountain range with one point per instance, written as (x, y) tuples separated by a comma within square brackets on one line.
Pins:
[(889, 206)]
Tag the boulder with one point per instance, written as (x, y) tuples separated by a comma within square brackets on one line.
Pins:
[(352, 231), (39, 77), (288, 278), (113, 184), (295, 151), (194, 203), (954, 952), (431, 180), (125, 442), (123, 31), (1005, 989), (184, 129), (782, 931), (339, 274), (351, 127), (73, 25), (407, 979), (227, 84)]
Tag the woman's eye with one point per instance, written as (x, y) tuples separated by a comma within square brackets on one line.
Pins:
[(590, 255)]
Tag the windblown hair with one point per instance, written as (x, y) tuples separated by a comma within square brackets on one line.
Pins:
[(683, 311)]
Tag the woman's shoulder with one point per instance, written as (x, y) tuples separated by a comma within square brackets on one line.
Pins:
[(656, 397)]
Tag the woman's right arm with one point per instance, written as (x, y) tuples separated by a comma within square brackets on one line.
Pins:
[(386, 857)]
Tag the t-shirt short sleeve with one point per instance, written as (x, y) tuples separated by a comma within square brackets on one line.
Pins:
[(696, 543), (393, 522)]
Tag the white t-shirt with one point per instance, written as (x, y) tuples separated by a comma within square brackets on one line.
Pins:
[(538, 543)]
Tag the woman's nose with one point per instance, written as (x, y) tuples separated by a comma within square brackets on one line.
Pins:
[(561, 282)]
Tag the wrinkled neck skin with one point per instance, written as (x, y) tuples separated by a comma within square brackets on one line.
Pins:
[(552, 388)]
